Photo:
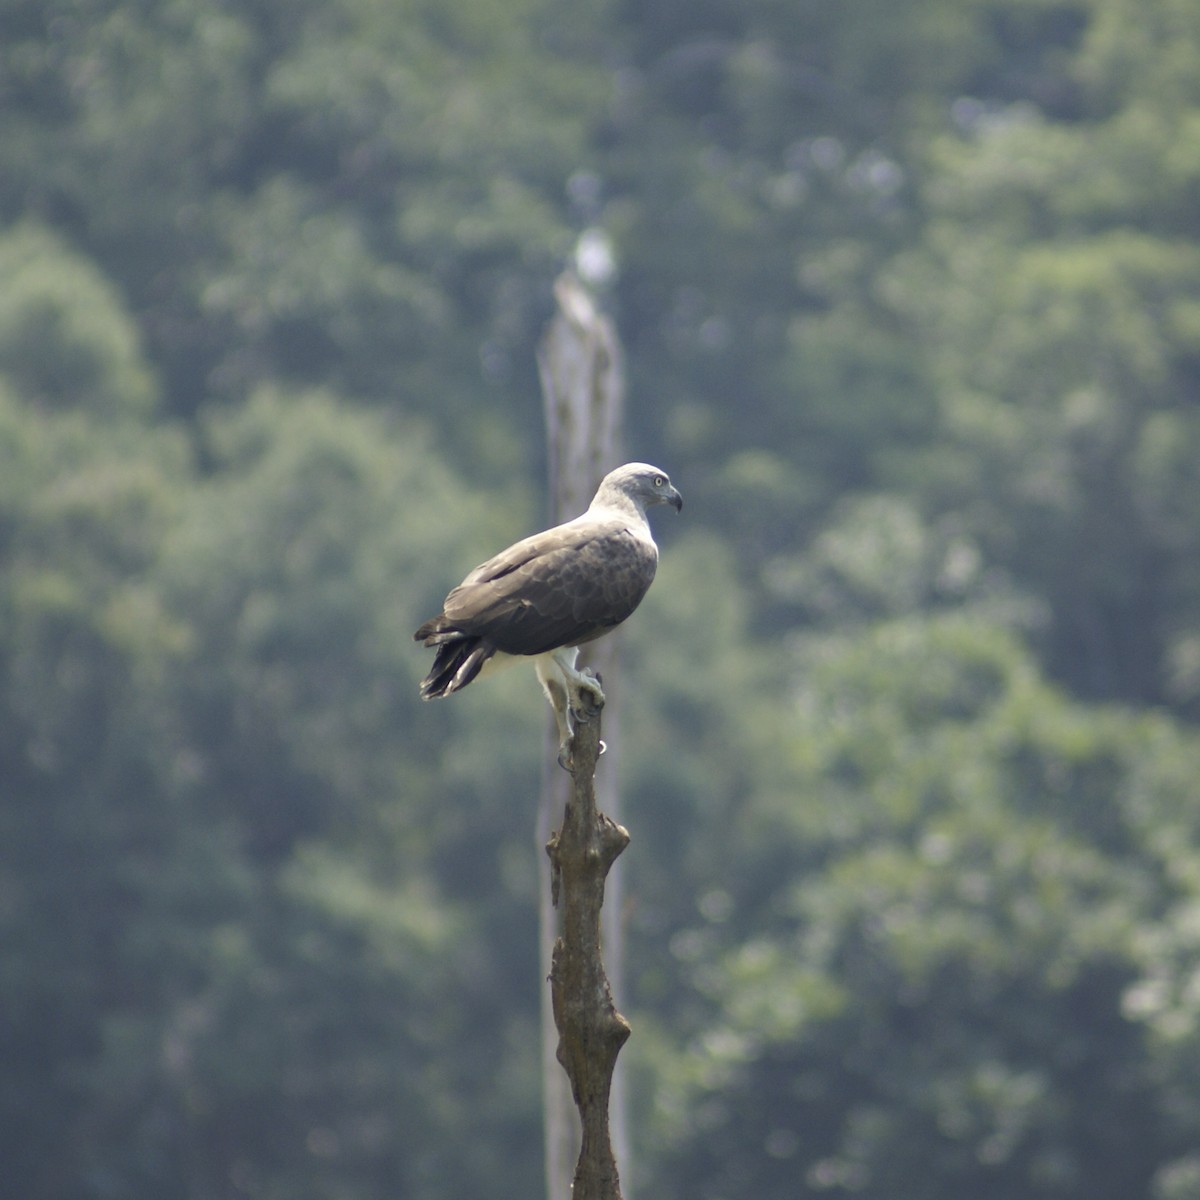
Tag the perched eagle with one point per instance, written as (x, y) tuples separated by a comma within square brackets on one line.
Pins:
[(545, 596)]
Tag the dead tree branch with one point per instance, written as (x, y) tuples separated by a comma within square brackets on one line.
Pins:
[(591, 1031)]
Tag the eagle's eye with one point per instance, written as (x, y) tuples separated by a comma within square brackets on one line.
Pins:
[(659, 481)]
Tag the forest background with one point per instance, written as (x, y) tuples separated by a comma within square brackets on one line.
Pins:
[(910, 295)]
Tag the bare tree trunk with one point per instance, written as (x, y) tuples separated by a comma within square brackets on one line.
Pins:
[(560, 1127), (591, 1031), (579, 364)]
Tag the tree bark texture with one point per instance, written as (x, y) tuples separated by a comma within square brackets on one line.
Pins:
[(590, 1030)]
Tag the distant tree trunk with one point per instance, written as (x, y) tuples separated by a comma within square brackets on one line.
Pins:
[(579, 363)]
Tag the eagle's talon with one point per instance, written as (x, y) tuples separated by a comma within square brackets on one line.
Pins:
[(566, 759)]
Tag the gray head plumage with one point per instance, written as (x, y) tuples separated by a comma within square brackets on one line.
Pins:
[(638, 484)]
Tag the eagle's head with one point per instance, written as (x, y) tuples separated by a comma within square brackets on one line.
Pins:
[(639, 484)]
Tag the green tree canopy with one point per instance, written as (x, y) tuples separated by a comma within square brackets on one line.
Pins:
[(909, 293), (943, 944)]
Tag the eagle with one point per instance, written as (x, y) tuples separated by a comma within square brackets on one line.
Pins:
[(549, 594)]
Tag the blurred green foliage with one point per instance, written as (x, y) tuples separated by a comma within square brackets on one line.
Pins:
[(910, 296)]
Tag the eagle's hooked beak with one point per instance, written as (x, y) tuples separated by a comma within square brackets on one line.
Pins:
[(675, 500)]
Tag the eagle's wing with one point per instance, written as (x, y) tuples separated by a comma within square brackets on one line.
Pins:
[(558, 588)]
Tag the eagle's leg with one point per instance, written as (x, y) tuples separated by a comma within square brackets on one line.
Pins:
[(587, 696), (574, 695), (560, 704)]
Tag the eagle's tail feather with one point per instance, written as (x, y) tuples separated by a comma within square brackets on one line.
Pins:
[(459, 658), (435, 631)]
